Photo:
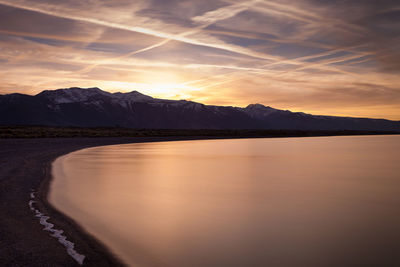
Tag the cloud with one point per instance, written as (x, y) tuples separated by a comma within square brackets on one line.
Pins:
[(309, 55), (68, 14), (224, 12)]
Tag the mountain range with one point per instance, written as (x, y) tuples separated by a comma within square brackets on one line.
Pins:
[(90, 107)]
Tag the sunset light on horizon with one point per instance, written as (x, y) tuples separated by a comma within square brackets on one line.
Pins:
[(321, 57)]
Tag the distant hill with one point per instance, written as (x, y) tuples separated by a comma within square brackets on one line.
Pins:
[(92, 107)]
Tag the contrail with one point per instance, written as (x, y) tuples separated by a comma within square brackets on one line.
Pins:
[(181, 38), (209, 18)]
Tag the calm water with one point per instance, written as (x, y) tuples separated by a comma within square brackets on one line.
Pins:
[(325, 201)]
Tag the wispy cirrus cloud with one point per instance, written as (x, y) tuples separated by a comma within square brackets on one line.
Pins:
[(336, 57)]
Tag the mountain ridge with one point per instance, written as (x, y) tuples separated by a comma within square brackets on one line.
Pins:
[(90, 107)]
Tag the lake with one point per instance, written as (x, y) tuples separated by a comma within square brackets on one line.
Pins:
[(318, 201)]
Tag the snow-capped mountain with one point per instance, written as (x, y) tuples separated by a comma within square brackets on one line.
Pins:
[(94, 107)]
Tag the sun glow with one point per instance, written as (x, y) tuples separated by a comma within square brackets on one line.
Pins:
[(295, 55), (170, 89), (154, 89), (166, 85)]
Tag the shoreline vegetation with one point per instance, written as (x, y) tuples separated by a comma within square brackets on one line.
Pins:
[(26, 157), (74, 132)]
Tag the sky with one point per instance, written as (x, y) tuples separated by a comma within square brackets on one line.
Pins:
[(328, 57)]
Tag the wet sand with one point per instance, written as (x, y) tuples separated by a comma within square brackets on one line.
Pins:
[(25, 165)]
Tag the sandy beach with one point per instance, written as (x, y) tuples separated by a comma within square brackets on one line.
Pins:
[(26, 166)]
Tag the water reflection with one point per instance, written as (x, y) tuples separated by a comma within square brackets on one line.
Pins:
[(329, 201)]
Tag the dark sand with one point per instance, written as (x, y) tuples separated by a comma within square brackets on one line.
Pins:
[(25, 164)]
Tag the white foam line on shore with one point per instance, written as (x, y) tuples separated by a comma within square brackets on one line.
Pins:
[(56, 233)]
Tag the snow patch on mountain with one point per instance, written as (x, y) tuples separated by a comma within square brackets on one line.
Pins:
[(89, 107), (133, 96), (72, 95), (259, 111)]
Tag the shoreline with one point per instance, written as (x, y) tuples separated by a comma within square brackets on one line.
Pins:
[(72, 229), (63, 220), (27, 165)]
